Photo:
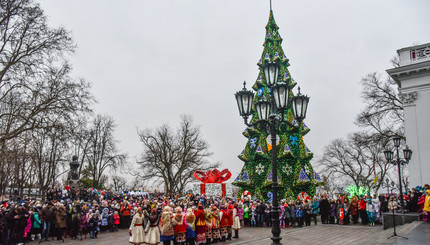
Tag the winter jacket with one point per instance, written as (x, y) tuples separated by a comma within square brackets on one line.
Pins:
[(299, 213), (253, 214), (324, 207), (116, 218), (246, 213), (362, 205), (427, 201), (61, 217), (240, 213), (37, 223), (287, 212), (93, 224), (332, 211), (353, 208), (370, 207), (46, 214), (315, 206), (293, 211)]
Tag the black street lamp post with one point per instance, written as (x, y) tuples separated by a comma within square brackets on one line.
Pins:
[(407, 154), (387, 185), (268, 116)]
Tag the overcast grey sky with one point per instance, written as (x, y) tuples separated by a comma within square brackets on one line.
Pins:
[(151, 61)]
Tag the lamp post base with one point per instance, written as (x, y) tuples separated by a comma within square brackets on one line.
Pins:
[(276, 240)]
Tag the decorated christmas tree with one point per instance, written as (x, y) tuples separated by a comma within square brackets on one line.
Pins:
[(296, 177)]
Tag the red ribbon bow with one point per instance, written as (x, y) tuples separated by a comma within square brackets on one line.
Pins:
[(212, 176)]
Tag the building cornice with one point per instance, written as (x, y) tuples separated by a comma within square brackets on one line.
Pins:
[(412, 70)]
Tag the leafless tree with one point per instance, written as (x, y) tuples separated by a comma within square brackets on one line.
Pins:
[(103, 153), (174, 155), (395, 61), (34, 72), (383, 113), (38, 97), (118, 183), (50, 151), (352, 160)]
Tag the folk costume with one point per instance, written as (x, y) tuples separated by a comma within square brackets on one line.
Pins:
[(224, 223), (152, 233), (230, 221), (208, 220), (180, 226), (166, 225), (236, 222), (215, 232), (136, 229), (200, 225), (190, 219)]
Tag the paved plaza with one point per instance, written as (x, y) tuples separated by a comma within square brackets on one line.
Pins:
[(320, 234)]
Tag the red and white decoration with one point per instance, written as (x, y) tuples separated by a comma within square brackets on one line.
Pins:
[(212, 183), (245, 194), (303, 196)]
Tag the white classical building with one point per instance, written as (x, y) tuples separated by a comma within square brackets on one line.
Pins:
[(413, 78)]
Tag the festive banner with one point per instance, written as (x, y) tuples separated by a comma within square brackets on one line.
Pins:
[(374, 171)]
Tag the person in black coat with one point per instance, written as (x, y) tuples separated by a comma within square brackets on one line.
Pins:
[(414, 200), (324, 209), (308, 212), (260, 213), (22, 217), (9, 225)]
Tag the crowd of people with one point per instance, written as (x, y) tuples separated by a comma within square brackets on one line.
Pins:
[(187, 219)]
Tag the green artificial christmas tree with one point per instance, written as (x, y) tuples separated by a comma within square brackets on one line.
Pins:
[(295, 173)]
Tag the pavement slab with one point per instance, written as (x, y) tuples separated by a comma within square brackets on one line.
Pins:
[(320, 234), (417, 232)]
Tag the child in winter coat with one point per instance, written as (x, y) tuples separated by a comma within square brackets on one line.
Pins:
[(104, 219), (240, 213), (253, 216), (83, 228), (299, 216), (116, 220), (246, 216), (282, 216), (370, 209), (341, 215)]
